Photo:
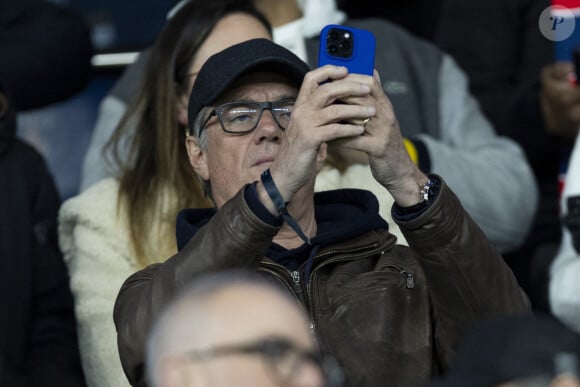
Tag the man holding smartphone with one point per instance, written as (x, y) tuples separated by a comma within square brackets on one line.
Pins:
[(260, 122)]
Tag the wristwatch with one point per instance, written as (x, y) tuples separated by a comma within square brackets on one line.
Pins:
[(426, 195), (427, 192)]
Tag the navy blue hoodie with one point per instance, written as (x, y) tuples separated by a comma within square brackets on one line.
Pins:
[(340, 215)]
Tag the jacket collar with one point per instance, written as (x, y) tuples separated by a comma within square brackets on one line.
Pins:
[(340, 214)]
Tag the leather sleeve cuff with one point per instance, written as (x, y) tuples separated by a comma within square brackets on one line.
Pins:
[(405, 214), (256, 206)]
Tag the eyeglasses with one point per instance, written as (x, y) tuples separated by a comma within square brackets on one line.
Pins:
[(242, 117), (282, 357)]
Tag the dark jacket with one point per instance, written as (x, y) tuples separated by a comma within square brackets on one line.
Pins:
[(38, 337), (391, 315)]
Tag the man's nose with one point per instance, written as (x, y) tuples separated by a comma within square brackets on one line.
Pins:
[(268, 129)]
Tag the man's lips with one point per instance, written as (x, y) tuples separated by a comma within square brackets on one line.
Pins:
[(264, 160)]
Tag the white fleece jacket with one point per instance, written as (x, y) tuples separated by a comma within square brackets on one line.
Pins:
[(97, 250)]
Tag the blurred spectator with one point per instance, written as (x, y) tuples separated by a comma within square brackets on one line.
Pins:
[(501, 48), (235, 328), (560, 98), (516, 351), (565, 270), (45, 50), (45, 57), (38, 343), (419, 17)]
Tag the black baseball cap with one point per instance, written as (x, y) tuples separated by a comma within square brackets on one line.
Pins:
[(225, 67)]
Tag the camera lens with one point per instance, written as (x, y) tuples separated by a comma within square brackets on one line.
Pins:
[(339, 43)]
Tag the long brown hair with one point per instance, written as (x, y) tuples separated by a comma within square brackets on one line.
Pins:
[(156, 179)]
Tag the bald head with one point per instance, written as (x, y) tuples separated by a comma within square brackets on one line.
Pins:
[(223, 310)]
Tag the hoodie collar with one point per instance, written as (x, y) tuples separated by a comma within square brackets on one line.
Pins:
[(340, 214)]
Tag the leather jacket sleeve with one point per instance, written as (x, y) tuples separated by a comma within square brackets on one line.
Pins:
[(234, 237), (467, 277)]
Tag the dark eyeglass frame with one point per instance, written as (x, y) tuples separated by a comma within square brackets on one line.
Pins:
[(272, 349), (267, 105)]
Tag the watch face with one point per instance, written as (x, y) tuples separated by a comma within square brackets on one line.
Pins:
[(572, 220), (429, 191), (426, 192)]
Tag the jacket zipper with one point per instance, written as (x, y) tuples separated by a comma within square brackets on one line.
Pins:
[(298, 289), (296, 280), (295, 283), (410, 278)]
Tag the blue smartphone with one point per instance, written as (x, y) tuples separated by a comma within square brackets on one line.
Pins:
[(351, 47)]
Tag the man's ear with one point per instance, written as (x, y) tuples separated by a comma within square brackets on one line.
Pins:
[(197, 157)]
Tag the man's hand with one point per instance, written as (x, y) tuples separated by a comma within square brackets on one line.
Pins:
[(383, 143), (317, 119), (560, 100), (332, 106)]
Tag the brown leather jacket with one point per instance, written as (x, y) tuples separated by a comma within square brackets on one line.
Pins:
[(391, 315)]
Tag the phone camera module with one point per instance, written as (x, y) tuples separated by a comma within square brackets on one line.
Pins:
[(339, 43)]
